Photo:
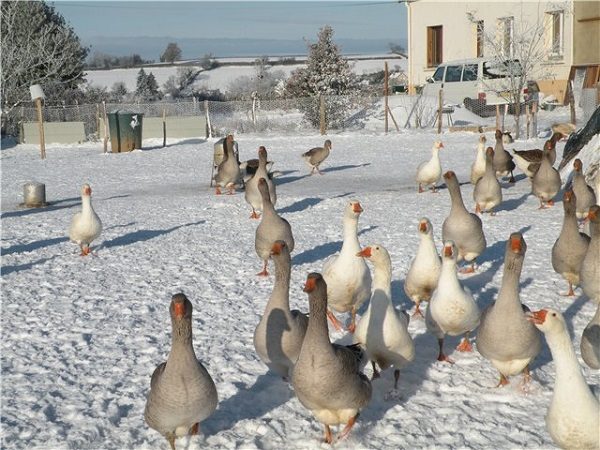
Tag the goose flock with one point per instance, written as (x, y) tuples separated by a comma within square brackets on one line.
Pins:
[(328, 377)]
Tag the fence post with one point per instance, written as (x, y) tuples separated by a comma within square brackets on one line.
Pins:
[(38, 105), (497, 117), (323, 125), (572, 103), (527, 119), (385, 94), (440, 106), (98, 120), (534, 111), (208, 126), (105, 120), (164, 117)]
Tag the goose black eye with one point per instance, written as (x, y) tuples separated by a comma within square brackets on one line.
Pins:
[(553, 314)]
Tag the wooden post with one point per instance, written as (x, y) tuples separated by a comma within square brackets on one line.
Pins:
[(322, 123), (572, 103), (440, 106), (208, 127), (504, 116), (385, 94), (393, 119), (105, 119), (497, 117), (98, 120), (164, 117), (527, 119), (534, 111), (38, 105)]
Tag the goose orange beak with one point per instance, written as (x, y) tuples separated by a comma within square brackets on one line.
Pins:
[(357, 208), (423, 227), (276, 249), (310, 285), (515, 244), (537, 317), (365, 252), (87, 191), (448, 251), (568, 196), (179, 309)]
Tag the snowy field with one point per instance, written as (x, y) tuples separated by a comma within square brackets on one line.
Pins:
[(82, 336), (221, 77)]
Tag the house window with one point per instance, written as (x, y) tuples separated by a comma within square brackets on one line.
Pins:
[(554, 30), (434, 46), (506, 29), (479, 38)]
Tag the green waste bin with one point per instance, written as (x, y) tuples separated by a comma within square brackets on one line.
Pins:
[(125, 130)]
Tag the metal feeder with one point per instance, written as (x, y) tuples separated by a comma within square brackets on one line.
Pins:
[(34, 194)]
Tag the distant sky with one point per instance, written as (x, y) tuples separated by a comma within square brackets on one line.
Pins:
[(236, 19)]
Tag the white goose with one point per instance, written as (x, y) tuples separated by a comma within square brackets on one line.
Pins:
[(85, 225), (478, 167), (573, 418), (382, 331), (452, 309), (422, 277), (348, 278), (430, 172)]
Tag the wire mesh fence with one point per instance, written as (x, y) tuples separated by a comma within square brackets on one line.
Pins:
[(307, 114)]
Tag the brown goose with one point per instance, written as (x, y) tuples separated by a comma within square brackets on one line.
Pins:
[(327, 377), (251, 193), (529, 160), (279, 334), (271, 228), (182, 393), (571, 246), (503, 162), (228, 171), (584, 193), (487, 192), (590, 268), (462, 227), (546, 182), (505, 337), (315, 156)]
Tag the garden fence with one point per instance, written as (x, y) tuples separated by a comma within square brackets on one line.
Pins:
[(331, 113)]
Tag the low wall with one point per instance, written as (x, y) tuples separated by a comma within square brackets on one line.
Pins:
[(54, 133), (177, 127)]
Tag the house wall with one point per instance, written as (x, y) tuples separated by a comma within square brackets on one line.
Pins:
[(586, 36), (459, 34)]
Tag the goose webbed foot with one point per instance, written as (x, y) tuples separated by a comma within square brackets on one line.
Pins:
[(334, 321), (503, 381), (347, 428)]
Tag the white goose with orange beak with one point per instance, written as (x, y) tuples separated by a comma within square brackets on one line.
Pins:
[(573, 418), (86, 226), (430, 172), (348, 278), (452, 309)]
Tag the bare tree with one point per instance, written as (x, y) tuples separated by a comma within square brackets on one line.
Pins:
[(520, 47), (171, 54), (38, 47)]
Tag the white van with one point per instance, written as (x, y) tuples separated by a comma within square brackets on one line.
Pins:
[(475, 83)]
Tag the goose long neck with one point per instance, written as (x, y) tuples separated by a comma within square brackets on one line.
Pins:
[(317, 332), (382, 278), (509, 289), (456, 196), (489, 166), (182, 337), (568, 372), (86, 203), (570, 220), (268, 207), (350, 243), (448, 277), (281, 289)]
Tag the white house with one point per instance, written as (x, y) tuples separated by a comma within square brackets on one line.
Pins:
[(441, 31)]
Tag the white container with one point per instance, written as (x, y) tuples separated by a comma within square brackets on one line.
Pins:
[(36, 92), (34, 194)]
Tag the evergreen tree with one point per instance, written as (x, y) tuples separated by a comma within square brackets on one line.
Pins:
[(327, 73), (37, 47)]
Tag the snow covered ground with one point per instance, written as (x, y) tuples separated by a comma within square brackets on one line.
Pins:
[(82, 336), (221, 77)]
